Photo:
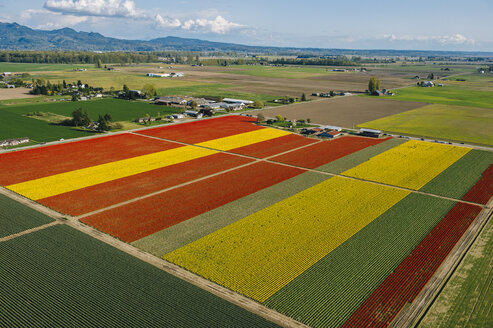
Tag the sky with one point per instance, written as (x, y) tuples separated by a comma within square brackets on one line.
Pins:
[(357, 24)]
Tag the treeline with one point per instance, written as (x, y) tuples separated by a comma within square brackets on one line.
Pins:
[(75, 57), (337, 61)]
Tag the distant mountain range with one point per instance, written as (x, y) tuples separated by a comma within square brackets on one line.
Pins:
[(17, 37)]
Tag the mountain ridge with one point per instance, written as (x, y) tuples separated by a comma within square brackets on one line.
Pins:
[(14, 36)]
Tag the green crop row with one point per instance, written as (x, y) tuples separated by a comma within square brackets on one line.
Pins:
[(60, 277), (15, 218), (461, 176), (330, 291)]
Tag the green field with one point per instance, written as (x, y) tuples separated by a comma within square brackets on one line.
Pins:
[(25, 67), (116, 79), (461, 176), (14, 123), (446, 95), (216, 90), (455, 123), (291, 72), (331, 290), (15, 217), (60, 277), (467, 299)]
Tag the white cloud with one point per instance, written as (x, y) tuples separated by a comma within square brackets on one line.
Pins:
[(454, 39), (105, 8), (46, 20), (164, 22), (128, 9), (219, 25)]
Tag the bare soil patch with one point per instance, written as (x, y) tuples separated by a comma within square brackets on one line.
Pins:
[(343, 111), (17, 93)]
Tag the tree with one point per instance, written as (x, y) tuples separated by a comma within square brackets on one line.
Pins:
[(126, 91), (308, 120), (103, 124), (258, 104), (193, 104), (150, 90), (80, 117), (431, 76), (99, 64), (74, 97), (107, 117), (303, 97), (280, 118), (373, 85), (260, 118)]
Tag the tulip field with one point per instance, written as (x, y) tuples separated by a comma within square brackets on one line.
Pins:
[(345, 232)]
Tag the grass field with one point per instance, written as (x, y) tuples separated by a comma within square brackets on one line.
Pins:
[(447, 95), (15, 124), (15, 217), (116, 79), (24, 67), (467, 299), (216, 90), (290, 72), (455, 123), (68, 279)]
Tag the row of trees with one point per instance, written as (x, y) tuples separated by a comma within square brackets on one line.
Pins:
[(76, 57)]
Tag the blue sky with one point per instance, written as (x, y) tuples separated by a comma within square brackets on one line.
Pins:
[(424, 25)]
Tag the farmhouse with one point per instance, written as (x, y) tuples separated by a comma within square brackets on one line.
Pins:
[(6, 74)]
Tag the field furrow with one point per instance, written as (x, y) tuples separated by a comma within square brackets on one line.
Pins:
[(260, 254), (338, 284), (325, 152), (41, 162), (102, 195), (407, 280), (410, 165), (461, 176), (204, 130), (142, 218)]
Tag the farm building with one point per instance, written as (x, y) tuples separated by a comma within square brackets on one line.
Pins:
[(5, 74), (232, 101), (201, 102), (370, 133), (332, 128), (157, 75), (13, 142), (329, 134), (171, 101)]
